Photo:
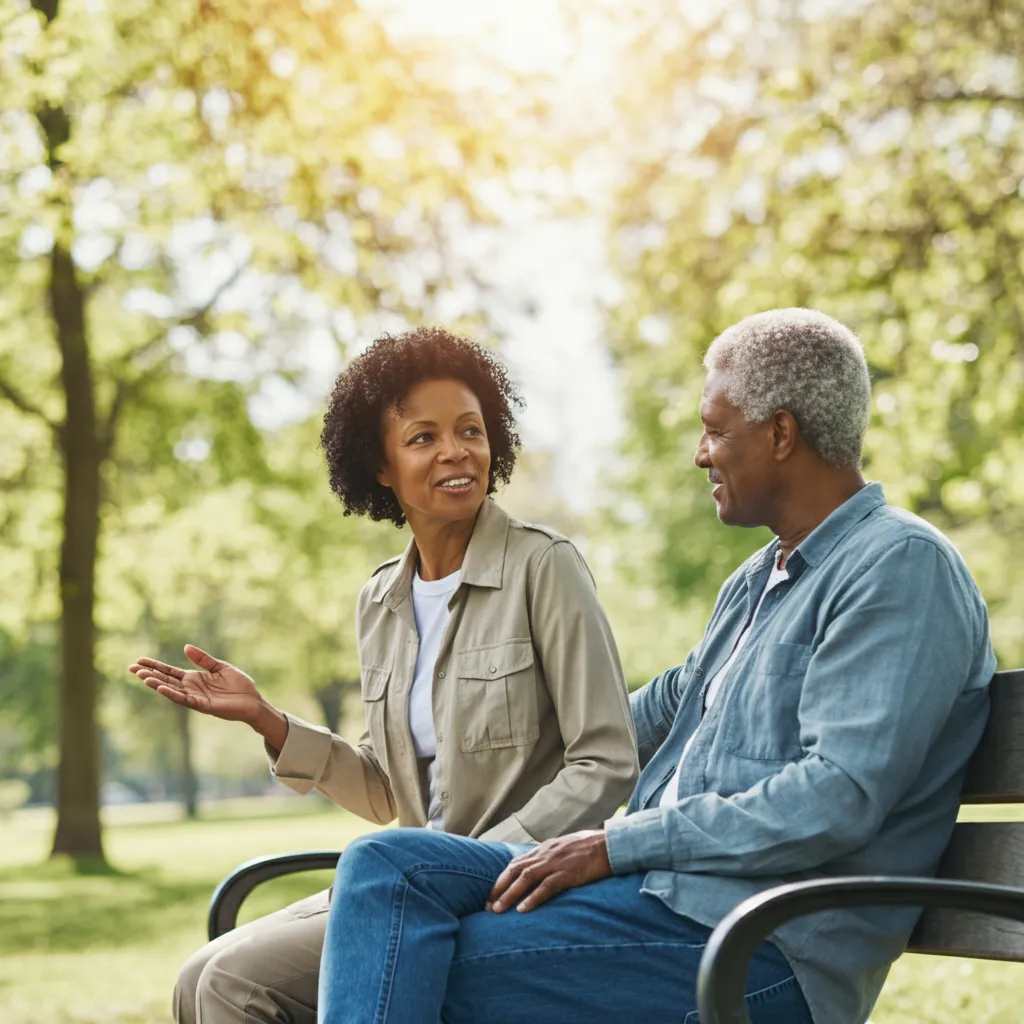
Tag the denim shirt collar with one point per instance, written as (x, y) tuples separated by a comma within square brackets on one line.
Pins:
[(822, 540)]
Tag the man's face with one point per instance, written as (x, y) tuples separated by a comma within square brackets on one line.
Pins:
[(737, 456)]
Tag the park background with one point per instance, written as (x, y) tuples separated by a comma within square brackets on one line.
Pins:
[(208, 206)]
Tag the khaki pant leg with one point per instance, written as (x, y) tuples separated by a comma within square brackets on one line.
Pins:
[(264, 971)]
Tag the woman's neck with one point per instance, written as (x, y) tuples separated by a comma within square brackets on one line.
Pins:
[(442, 546)]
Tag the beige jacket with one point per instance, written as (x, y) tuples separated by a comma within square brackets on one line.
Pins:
[(534, 733)]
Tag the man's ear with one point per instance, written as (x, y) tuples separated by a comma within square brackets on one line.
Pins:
[(785, 432)]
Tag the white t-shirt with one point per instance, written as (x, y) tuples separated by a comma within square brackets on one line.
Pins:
[(430, 607), (670, 795)]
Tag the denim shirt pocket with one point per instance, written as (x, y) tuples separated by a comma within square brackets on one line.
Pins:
[(760, 716)]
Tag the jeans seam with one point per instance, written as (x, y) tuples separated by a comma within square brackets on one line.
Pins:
[(447, 869), (761, 994), (391, 957), (577, 947), (769, 990)]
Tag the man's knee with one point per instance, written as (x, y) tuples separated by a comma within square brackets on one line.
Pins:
[(368, 852)]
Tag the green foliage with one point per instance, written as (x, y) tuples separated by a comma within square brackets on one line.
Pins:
[(868, 162)]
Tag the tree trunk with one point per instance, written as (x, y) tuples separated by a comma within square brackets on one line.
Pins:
[(189, 782), (78, 776), (330, 696)]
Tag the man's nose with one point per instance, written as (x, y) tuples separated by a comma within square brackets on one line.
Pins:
[(700, 456)]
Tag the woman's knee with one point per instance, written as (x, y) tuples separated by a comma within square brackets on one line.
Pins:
[(186, 987)]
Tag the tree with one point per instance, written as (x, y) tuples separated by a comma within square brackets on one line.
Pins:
[(194, 196), (867, 162)]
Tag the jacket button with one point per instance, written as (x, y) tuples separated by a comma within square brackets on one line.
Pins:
[(699, 672), (440, 675), (444, 795), (493, 669), (440, 737)]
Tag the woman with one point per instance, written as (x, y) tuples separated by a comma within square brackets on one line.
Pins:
[(495, 701)]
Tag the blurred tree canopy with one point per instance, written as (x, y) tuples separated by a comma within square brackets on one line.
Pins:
[(863, 159), (197, 202)]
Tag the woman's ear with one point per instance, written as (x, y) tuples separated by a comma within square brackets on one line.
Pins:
[(384, 477)]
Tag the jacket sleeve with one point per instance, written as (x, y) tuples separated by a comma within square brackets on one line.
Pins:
[(579, 659), (350, 776), (879, 689)]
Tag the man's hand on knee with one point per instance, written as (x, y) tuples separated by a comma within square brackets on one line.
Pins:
[(554, 866)]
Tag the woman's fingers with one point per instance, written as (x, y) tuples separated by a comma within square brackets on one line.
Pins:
[(146, 674), (199, 657), (159, 666), (186, 700)]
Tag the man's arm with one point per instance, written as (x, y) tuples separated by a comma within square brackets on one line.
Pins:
[(654, 706), (878, 690)]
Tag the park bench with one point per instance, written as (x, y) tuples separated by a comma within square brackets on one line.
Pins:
[(973, 908)]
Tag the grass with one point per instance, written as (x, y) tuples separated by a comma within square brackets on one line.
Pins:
[(104, 946)]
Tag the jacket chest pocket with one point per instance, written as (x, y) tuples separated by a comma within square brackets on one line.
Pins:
[(374, 688), (497, 696), (762, 701)]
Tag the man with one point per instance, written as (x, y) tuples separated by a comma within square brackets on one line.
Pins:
[(821, 727)]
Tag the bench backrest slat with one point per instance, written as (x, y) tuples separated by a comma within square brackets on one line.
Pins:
[(996, 772), (990, 852)]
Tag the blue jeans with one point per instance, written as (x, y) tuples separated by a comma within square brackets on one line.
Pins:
[(408, 940)]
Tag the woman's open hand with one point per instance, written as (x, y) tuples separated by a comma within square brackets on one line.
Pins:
[(214, 688)]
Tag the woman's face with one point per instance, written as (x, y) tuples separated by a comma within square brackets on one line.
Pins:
[(436, 456)]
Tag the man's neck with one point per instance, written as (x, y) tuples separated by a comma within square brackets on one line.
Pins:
[(802, 512), (441, 545)]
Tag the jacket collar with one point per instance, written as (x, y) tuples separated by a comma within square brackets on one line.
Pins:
[(483, 566)]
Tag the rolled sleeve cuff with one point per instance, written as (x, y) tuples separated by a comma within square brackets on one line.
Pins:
[(508, 831), (637, 842), (303, 758)]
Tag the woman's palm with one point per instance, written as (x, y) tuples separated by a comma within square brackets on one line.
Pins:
[(213, 688)]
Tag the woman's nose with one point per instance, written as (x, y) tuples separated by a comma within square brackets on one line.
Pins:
[(453, 450)]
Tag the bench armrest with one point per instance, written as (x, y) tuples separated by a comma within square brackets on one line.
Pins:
[(229, 895), (721, 978)]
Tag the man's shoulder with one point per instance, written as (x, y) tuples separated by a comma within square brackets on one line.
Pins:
[(889, 527)]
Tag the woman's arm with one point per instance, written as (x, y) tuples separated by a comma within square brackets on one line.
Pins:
[(313, 757), (577, 653)]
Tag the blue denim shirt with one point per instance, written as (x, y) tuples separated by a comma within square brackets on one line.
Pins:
[(836, 745)]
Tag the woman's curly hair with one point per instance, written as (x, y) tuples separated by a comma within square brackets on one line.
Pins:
[(378, 379)]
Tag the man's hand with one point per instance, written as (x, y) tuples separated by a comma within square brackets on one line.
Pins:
[(557, 864)]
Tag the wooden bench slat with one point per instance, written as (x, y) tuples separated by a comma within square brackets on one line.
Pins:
[(996, 772), (990, 852)]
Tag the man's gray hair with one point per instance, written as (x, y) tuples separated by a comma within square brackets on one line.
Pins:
[(804, 362)]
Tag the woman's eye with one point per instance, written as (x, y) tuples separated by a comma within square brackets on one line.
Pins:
[(473, 431), (420, 438)]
